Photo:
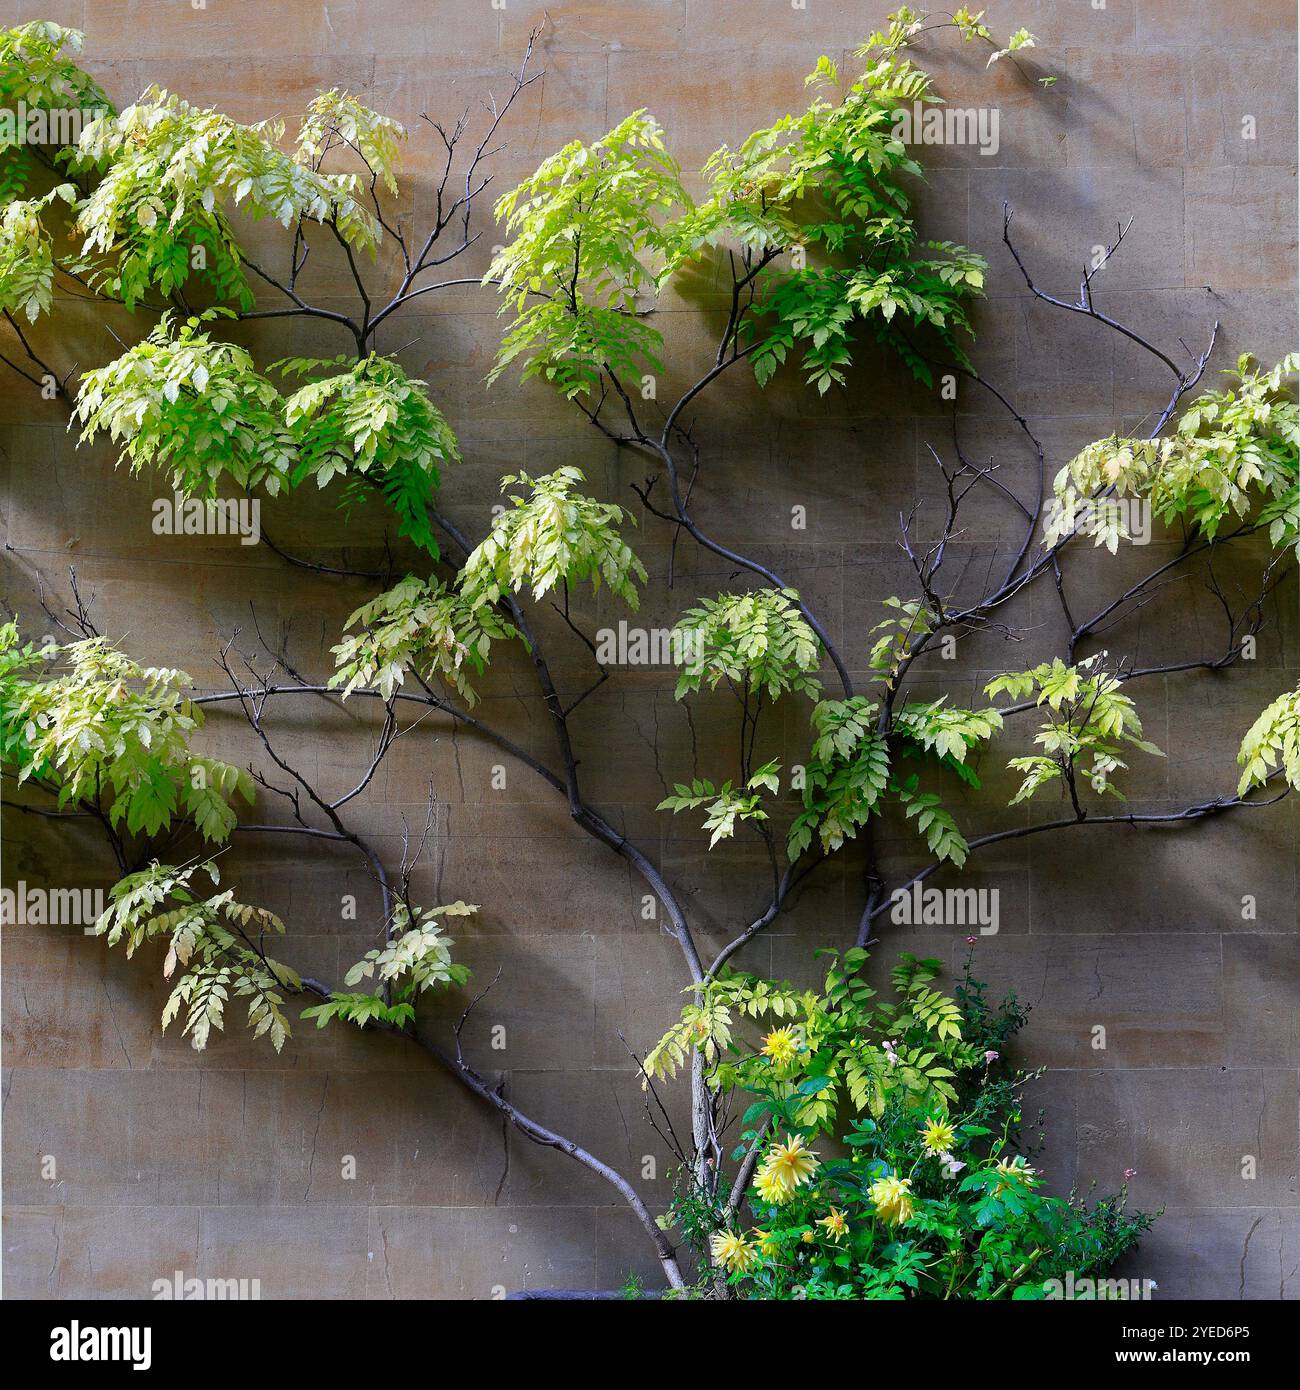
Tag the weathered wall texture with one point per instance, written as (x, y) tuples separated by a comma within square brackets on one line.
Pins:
[(229, 1164)]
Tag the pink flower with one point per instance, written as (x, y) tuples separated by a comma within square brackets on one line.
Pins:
[(1130, 1174), (890, 1053), (972, 941), (990, 1056)]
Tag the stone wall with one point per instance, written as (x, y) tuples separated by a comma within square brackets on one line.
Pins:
[(232, 1163)]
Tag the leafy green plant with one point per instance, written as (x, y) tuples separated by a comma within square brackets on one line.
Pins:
[(372, 425), (838, 1047), (169, 174), (553, 536), (600, 224), (416, 957), (1088, 717), (1272, 744), (184, 401), (100, 731), (27, 256), (217, 943), (933, 1196), (847, 772), (759, 641), (725, 805), (39, 71), (1235, 454), (337, 121), (418, 627), (809, 227), (586, 232)]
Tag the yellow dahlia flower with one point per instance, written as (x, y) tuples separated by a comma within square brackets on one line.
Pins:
[(791, 1164), (769, 1243), (835, 1224), (893, 1199), (771, 1188), (1015, 1168), (733, 1252), (781, 1045), (937, 1137)]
